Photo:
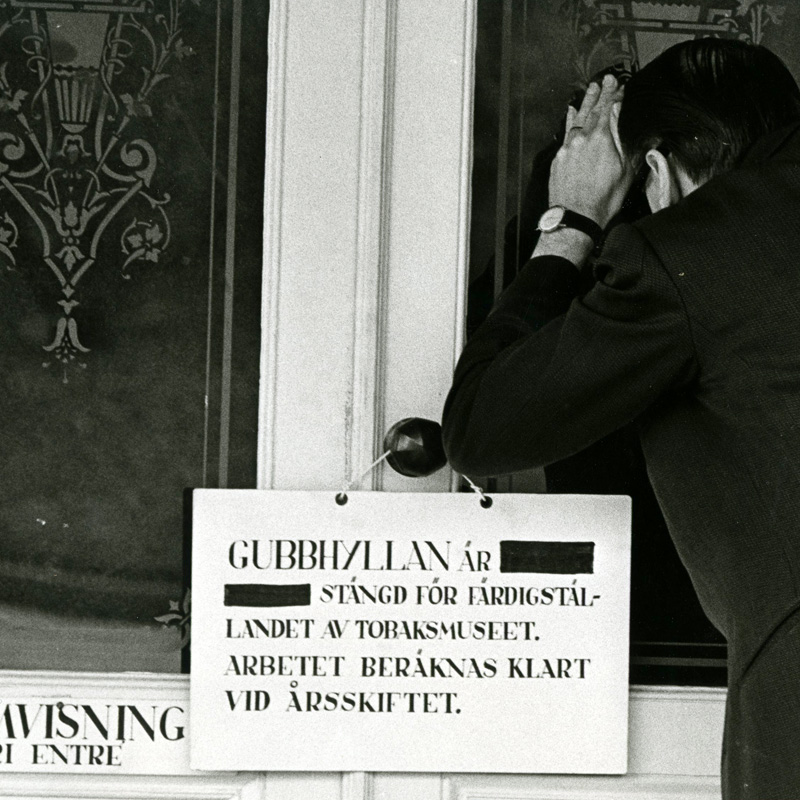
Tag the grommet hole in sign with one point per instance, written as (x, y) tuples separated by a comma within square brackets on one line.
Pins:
[(412, 447)]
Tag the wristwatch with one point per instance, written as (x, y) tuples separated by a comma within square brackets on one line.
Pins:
[(559, 217)]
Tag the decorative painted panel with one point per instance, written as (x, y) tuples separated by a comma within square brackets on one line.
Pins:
[(131, 177)]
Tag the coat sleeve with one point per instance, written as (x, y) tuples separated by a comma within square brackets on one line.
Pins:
[(549, 373)]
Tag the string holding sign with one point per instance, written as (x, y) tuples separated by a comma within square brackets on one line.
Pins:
[(341, 498), (486, 501), (414, 448)]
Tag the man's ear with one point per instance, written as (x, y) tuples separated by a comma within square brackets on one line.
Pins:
[(662, 188)]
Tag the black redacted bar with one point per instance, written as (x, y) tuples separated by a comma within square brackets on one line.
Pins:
[(559, 558), (267, 595)]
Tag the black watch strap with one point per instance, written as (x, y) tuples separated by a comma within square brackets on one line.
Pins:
[(572, 219), (559, 217)]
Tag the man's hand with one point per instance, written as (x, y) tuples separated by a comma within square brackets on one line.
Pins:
[(590, 173)]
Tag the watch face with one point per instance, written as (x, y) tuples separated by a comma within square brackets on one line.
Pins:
[(551, 219)]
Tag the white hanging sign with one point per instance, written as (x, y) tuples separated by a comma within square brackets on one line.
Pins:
[(409, 632)]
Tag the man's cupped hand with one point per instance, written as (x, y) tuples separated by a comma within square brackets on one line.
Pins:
[(590, 173)]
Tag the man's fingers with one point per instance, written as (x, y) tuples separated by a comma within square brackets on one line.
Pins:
[(590, 173), (572, 112), (608, 90), (614, 124), (589, 101), (609, 94)]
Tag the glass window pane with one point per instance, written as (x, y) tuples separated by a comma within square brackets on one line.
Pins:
[(131, 178)]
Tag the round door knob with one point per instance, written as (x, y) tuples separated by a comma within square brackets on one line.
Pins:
[(415, 447)]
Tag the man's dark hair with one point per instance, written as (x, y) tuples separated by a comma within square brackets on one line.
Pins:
[(706, 101)]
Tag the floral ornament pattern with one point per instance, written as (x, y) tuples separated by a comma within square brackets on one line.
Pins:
[(145, 241), (179, 616), (9, 235), (76, 96), (9, 100), (753, 17)]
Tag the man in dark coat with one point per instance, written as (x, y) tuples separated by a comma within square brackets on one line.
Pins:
[(692, 330)]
